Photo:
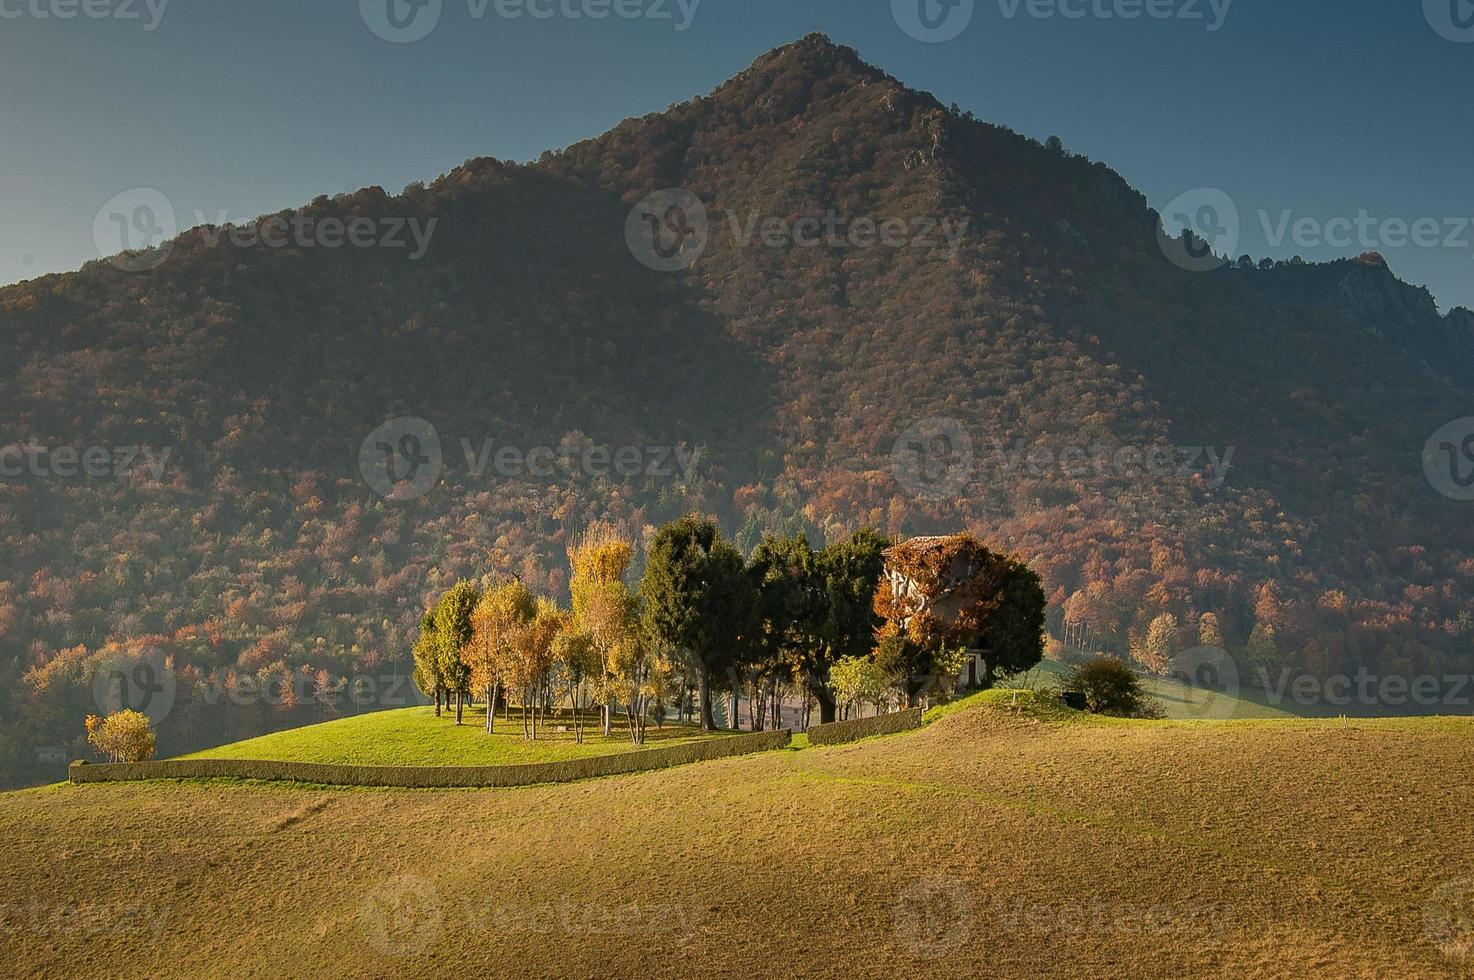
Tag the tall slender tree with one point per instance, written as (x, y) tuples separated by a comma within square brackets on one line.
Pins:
[(501, 613), (603, 606), (427, 660), (696, 598), (452, 634)]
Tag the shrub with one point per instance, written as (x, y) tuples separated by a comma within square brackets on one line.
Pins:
[(124, 736), (1111, 688)]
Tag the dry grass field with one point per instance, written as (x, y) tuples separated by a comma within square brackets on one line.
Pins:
[(992, 842)]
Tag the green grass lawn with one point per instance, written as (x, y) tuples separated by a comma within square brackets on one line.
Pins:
[(415, 737)]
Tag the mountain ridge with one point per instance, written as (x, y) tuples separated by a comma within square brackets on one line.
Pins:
[(794, 375)]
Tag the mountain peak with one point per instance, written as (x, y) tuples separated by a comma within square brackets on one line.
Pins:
[(814, 54)]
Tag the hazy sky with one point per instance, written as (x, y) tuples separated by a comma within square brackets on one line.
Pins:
[(1298, 109)]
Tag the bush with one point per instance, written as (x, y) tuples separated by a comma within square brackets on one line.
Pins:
[(124, 736), (1111, 688)]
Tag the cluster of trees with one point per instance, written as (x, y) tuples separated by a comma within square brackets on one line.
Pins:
[(703, 622), (123, 736)]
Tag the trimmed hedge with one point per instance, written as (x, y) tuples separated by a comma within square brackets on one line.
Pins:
[(849, 731), (435, 777)]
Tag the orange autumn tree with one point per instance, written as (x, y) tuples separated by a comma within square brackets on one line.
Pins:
[(942, 597)]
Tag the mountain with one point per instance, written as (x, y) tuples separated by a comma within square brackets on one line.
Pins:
[(1026, 308)]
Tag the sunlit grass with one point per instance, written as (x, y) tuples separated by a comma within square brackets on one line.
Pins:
[(415, 737)]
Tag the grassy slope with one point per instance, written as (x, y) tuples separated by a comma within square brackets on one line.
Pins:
[(989, 843), (415, 737), (1180, 701)]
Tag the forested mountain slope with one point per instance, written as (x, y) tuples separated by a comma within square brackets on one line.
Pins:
[(771, 383)]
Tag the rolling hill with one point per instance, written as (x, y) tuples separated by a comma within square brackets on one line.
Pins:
[(773, 383), (998, 840)]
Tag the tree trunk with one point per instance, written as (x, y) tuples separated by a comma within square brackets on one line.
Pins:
[(732, 713), (708, 723), (490, 706), (827, 705), (437, 701), (459, 706)]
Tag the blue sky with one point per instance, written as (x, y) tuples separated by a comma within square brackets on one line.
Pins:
[(1312, 109)]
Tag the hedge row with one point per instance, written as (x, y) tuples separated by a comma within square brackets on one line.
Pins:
[(848, 731), (431, 777)]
